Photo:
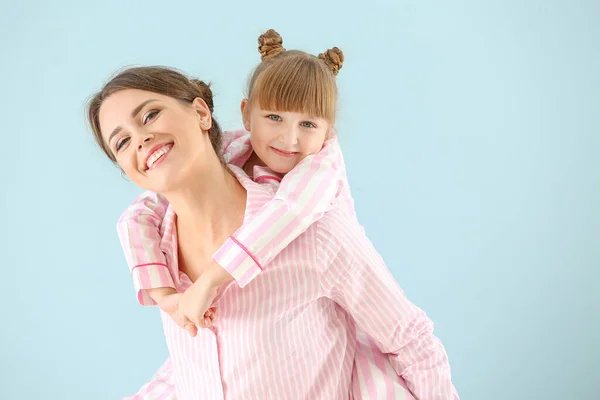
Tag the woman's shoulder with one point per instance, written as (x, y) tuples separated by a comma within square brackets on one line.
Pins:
[(339, 231)]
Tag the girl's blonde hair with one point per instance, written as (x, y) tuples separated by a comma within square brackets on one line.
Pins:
[(293, 80)]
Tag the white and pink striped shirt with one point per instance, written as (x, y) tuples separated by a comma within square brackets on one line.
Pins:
[(373, 378), (291, 332), (304, 194)]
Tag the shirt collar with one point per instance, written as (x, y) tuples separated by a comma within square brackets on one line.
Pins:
[(265, 175)]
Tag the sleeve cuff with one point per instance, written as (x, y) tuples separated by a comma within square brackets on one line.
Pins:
[(238, 261), (150, 276)]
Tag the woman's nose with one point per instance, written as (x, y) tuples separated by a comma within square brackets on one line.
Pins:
[(145, 139)]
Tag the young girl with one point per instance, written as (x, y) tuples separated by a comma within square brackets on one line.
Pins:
[(289, 112)]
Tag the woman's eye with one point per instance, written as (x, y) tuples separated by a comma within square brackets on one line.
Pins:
[(274, 117), (121, 143), (150, 116), (308, 124)]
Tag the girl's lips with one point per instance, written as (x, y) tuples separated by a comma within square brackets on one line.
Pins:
[(284, 153)]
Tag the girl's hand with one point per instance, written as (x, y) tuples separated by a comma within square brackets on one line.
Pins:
[(170, 305)]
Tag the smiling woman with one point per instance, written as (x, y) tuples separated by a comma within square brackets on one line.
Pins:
[(153, 116), (178, 130)]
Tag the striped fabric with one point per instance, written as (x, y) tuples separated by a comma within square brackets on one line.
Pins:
[(305, 193), (291, 333), (303, 196)]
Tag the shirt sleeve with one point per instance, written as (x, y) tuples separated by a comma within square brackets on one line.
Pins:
[(160, 387), (303, 196), (139, 233), (236, 147), (355, 277)]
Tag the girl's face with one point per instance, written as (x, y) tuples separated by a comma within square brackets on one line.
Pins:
[(155, 139), (281, 139)]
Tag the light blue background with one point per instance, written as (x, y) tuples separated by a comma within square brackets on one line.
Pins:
[(471, 130)]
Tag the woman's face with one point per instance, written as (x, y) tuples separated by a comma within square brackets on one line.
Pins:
[(156, 140)]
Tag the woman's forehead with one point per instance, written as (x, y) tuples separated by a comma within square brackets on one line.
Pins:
[(130, 98)]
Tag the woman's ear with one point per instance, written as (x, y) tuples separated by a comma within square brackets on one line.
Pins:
[(203, 113)]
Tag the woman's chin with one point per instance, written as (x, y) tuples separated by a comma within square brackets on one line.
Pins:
[(161, 183)]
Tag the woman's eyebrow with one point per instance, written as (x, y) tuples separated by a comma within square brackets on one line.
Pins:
[(134, 113)]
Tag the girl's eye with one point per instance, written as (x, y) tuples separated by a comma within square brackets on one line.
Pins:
[(150, 116), (122, 142), (308, 124), (274, 117)]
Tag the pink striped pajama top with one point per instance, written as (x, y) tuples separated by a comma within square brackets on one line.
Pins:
[(247, 253)]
